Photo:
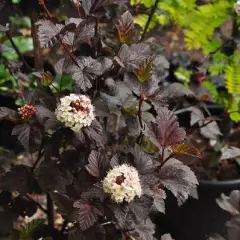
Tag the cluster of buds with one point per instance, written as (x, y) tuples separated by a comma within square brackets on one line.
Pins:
[(122, 183), (75, 111), (237, 7), (27, 111)]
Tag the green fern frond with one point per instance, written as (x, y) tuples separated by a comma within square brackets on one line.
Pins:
[(232, 75)]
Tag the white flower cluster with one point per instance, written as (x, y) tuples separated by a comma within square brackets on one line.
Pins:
[(237, 7), (75, 111), (123, 183)]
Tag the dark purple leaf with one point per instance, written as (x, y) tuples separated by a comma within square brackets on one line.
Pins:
[(142, 230), (51, 178), (85, 73), (126, 28), (87, 214), (230, 153), (141, 207), (48, 32), (233, 226), (95, 161), (131, 57), (46, 117), (230, 203), (29, 136), (150, 89), (178, 178), (8, 114), (96, 133), (95, 7), (143, 161), (95, 193), (64, 205), (18, 178), (120, 214), (210, 129), (177, 90), (114, 161), (165, 131), (84, 32), (166, 237), (80, 136), (63, 65), (153, 188), (196, 115)]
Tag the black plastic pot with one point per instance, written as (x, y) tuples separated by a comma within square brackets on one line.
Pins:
[(196, 219)]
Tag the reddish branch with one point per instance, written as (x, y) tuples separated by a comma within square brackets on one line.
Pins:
[(140, 108), (73, 58)]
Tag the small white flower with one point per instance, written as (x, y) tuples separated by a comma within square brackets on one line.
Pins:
[(122, 183), (75, 111)]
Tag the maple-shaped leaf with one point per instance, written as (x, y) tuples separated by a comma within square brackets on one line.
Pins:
[(86, 71), (95, 161), (230, 203), (131, 57), (83, 32), (18, 178), (165, 131), (145, 70), (150, 89), (62, 66), (120, 214), (29, 136), (152, 187), (142, 229), (178, 178), (46, 117), (87, 214), (209, 129), (141, 207), (186, 149), (229, 153), (126, 28), (143, 161), (95, 7), (196, 115), (48, 32), (96, 133), (8, 114), (95, 193), (166, 236)]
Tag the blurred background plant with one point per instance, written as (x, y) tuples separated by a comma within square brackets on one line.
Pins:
[(210, 27)]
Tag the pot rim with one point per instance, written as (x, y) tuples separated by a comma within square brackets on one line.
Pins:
[(226, 183)]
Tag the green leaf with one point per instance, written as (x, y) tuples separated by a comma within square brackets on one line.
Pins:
[(63, 83), (183, 74), (211, 46), (212, 89)]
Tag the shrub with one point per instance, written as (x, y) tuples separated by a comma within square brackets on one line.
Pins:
[(102, 139)]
